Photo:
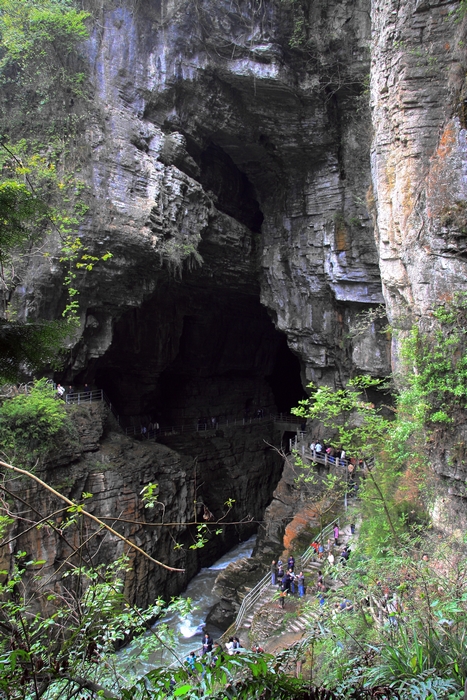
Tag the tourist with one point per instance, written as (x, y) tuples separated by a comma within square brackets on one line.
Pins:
[(321, 585), (273, 572), (230, 646), (191, 660), (336, 534), (291, 563), (207, 643), (280, 570), (331, 559), (301, 584), (345, 554), (60, 391)]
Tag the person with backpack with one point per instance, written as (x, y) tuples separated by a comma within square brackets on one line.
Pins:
[(280, 570)]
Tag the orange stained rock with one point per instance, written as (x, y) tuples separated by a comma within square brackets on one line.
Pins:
[(306, 516)]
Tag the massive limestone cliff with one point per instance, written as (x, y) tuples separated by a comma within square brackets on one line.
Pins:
[(238, 177), (419, 160), (227, 171)]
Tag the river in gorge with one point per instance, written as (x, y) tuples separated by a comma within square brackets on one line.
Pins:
[(188, 630)]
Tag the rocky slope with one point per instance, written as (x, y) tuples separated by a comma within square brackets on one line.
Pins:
[(114, 469)]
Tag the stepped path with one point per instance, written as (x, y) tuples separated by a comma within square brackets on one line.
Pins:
[(310, 571), (264, 593)]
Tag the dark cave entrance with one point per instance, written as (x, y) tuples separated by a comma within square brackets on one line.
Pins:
[(204, 346), (201, 356), (285, 378)]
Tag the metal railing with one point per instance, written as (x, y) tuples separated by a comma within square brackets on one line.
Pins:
[(325, 532), (252, 597), (97, 395), (318, 457), (204, 426)]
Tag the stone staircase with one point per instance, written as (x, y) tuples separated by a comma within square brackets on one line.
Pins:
[(267, 593)]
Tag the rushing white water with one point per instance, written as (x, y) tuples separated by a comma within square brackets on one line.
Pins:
[(189, 630)]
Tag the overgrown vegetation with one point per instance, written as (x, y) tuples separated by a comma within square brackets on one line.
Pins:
[(408, 588), (41, 74), (31, 424), (42, 105)]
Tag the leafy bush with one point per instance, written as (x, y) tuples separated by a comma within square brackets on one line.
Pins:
[(31, 422)]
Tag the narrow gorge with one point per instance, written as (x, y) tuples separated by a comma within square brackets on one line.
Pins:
[(262, 171)]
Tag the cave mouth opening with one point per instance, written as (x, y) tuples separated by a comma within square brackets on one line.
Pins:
[(204, 346), (285, 379), (204, 355)]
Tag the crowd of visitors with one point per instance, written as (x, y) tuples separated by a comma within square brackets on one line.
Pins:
[(84, 391), (288, 580), (335, 455), (210, 651)]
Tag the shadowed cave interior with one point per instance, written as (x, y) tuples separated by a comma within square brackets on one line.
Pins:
[(191, 354)]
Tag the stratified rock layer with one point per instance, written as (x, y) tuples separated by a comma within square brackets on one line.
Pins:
[(114, 469), (228, 163), (419, 165)]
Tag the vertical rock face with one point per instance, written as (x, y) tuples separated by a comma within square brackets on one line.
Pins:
[(419, 165), (419, 153), (235, 464), (228, 164)]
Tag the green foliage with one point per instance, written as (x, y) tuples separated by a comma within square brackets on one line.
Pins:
[(417, 656), (31, 422), (27, 347), (38, 65), (18, 207), (71, 643), (49, 202), (244, 677), (175, 253), (436, 362)]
